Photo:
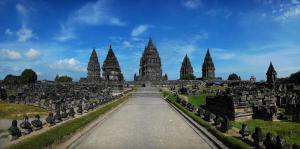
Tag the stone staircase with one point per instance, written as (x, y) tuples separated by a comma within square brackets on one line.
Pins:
[(147, 92)]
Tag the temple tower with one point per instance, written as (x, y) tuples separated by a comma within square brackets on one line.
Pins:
[(271, 74), (111, 68), (186, 69), (208, 67), (150, 64), (93, 74)]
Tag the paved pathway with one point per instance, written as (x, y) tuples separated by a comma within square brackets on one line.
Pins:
[(145, 121)]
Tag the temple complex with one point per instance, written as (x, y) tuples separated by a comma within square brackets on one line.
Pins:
[(186, 68), (150, 64)]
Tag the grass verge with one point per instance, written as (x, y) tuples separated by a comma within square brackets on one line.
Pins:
[(17, 111), (290, 131), (66, 129), (229, 141)]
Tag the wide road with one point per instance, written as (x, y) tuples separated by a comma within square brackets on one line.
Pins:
[(145, 121)]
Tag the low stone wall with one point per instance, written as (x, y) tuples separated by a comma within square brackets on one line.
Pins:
[(168, 83)]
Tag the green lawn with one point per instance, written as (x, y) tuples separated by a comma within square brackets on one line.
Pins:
[(3, 130), (17, 111), (290, 131), (212, 88), (11, 92), (198, 100), (281, 110), (208, 88)]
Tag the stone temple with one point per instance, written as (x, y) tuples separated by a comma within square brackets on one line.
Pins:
[(271, 74), (111, 68), (186, 68), (150, 64), (208, 67), (93, 74)]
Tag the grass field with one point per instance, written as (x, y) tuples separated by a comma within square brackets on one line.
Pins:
[(11, 93), (60, 132), (290, 131), (17, 111), (212, 88), (198, 100), (3, 130)]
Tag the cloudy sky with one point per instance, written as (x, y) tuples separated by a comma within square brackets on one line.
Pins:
[(57, 37)]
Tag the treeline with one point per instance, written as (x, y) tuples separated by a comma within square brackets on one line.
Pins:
[(29, 76), (63, 78), (293, 78)]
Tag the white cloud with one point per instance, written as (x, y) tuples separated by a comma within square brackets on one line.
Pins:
[(290, 13), (24, 34), (32, 53), (126, 44), (21, 9), (8, 32), (117, 21), (200, 36), (211, 12), (223, 54), (95, 13), (225, 13), (295, 2), (65, 34), (39, 73), (192, 4), (10, 54), (139, 30), (68, 64), (92, 13)]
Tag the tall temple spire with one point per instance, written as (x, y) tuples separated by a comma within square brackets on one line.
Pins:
[(111, 68), (93, 68), (208, 67), (271, 74), (207, 56), (150, 64), (150, 46), (186, 70)]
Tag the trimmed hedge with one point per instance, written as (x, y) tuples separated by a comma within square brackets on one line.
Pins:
[(66, 129), (229, 141)]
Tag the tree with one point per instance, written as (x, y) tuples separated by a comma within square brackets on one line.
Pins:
[(11, 79), (56, 78), (295, 78), (188, 77), (63, 79), (28, 76), (234, 76)]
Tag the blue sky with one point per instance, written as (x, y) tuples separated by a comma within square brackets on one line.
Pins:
[(57, 37)]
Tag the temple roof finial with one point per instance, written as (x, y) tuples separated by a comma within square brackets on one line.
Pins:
[(207, 52)]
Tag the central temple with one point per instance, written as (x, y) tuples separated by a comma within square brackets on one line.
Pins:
[(150, 64)]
